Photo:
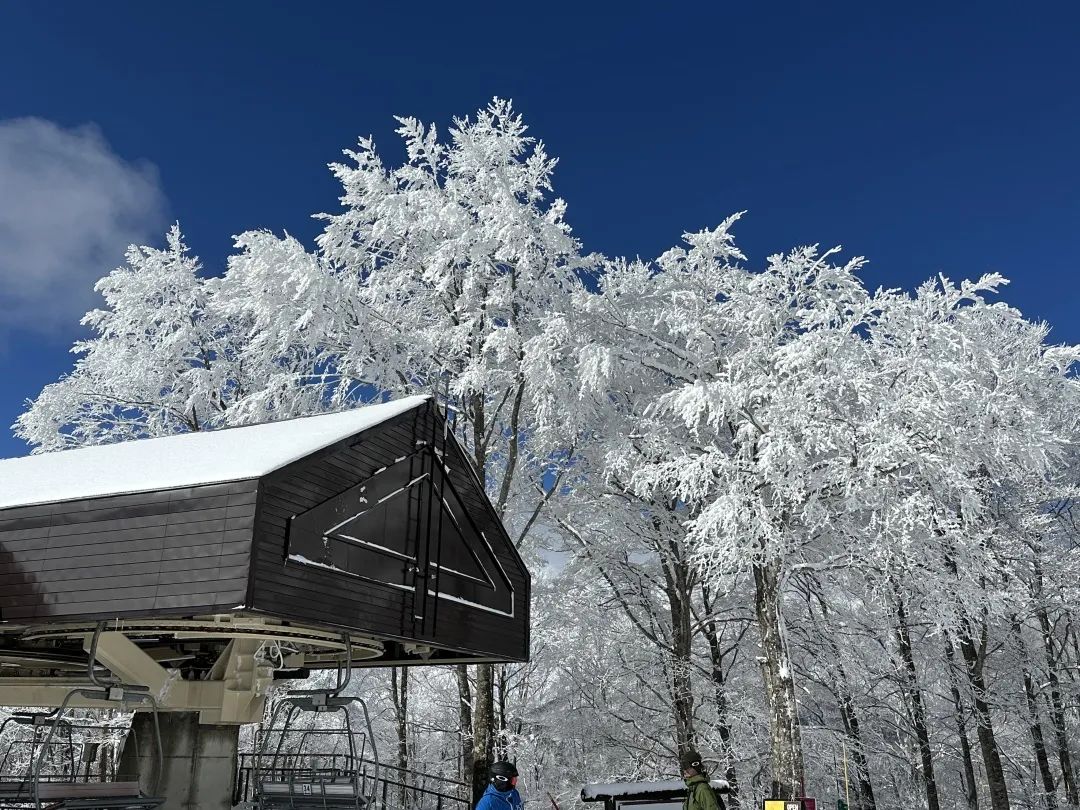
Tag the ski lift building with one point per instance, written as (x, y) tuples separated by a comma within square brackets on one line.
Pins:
[(370, 522)]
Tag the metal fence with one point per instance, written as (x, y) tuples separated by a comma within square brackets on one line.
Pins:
[(394, 788)]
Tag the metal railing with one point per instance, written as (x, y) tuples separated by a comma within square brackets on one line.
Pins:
[(394, 788)]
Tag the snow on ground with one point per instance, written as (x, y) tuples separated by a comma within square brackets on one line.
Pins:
[(614, 789)]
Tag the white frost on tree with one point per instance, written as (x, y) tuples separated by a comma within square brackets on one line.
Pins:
[(788, 505), (157, 362)]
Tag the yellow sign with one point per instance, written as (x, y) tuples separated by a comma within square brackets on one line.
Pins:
[(780, 804)]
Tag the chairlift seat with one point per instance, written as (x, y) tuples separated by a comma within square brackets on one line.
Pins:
[(78, 795), (333, 794), (345, 787), (305, 779)]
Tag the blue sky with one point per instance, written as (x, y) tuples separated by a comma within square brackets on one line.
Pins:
[(928, 139)]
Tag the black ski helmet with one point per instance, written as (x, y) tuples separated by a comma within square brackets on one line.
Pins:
[(501, 774), (691, 759)]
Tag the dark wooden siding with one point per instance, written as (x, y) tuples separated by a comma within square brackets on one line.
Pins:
[(511, 633), (308, 593), (175, 552)]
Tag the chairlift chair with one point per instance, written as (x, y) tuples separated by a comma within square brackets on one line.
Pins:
[(291, 780), (41, 790), (25, 743), (34, 721)]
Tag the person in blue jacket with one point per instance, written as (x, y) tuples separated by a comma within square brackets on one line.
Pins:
[(501, 793)]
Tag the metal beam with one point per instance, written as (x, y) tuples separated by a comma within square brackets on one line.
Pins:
[(245, 681), (46, 693), (236, 694), (50, 692), (127, 661)]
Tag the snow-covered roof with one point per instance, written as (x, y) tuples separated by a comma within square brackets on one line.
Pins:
[(592, 793), (184, 460)]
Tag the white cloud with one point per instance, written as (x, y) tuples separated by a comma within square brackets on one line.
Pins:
[(69, 206)]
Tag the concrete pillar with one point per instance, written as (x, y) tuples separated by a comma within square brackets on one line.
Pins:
[(200, 760)]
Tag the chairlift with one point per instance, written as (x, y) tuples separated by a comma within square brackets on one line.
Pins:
[(60, 755), (42, 787), (287, 778)]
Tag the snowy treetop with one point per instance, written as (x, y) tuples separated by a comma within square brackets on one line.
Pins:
[(183, 460), (765, 501)]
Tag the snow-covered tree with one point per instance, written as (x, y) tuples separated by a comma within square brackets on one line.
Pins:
[(796, 520), (751, 375), (967, 447), (770, 409), (158, 361), (433, 278)]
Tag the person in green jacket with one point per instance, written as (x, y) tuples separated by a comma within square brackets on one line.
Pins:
[(699, 793)]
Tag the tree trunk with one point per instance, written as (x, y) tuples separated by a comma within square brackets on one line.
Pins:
[(483, 717), (864, 794), (483, 728), (89, 758), (918, 712), (399, 688), (974, 658), (465, 722), (502, 691), (784, 734), (683, 703), (716, 659), (1057, 705), (724, 728), (864, 789), (971, 789), (677, 582), (1035, 728)]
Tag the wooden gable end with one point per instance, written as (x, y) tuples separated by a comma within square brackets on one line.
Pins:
[(390, 534)]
